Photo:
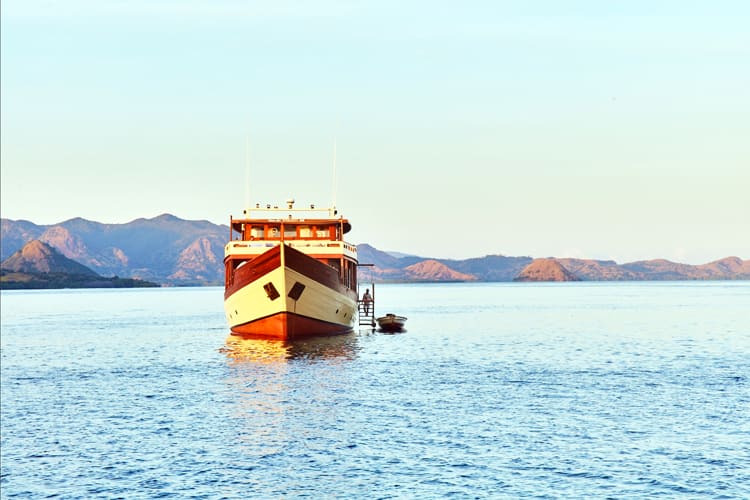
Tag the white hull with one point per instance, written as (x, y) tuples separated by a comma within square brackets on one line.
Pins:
[(317, 302)]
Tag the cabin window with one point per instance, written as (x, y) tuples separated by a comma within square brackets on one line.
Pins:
[(290, 232), (273, 233), (305, 232), (256, 232), (322, 232)]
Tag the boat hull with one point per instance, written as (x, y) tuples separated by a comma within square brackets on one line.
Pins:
[(285, 294), (391, 323), (288, 326)]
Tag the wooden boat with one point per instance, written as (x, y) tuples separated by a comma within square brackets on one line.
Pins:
[(289, 274), (391, 322)]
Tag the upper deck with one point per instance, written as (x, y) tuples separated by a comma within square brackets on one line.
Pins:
[(310, 230)]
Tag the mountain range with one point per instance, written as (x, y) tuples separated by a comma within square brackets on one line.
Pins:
[(164, 249), (178, 252), (502, 268)]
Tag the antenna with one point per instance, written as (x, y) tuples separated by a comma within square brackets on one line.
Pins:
[(247, 174), (334, 172)]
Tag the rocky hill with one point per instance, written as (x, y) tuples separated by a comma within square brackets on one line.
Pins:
[(660, 269), (38, 257), (173, 251), (432, 270), (598, 270), (545, 270), (38, 265), (490, 267), (728, 266), (657, 269)]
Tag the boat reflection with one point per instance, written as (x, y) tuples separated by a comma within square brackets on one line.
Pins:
[(279, 387), (263, 350)]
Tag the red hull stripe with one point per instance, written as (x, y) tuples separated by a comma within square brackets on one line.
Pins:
[(289, 326), (295, 260), (254, 270), (315, 270)]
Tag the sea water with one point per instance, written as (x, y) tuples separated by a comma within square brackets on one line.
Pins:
[(599, 390)]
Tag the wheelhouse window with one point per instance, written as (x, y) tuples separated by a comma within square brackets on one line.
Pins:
[(273, 233), (305, 232), (290, 232), (322, 232), (256, 232)]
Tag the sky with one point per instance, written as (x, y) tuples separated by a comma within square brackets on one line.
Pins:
[(608, 130)]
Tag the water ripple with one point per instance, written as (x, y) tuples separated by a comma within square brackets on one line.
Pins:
[(600, 391)]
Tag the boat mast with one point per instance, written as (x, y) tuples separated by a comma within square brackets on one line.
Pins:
[(247, 175), (334, 173)]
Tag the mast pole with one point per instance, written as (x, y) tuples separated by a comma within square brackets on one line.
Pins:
[(334, 173), (247, 176)]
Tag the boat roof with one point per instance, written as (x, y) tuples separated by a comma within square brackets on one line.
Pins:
[(273, 214)]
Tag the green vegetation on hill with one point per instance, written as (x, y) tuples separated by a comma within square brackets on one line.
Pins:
[(39, 266), (10, 280)]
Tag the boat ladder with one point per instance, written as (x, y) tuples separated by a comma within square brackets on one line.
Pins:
[(366, 313), (366, 309)]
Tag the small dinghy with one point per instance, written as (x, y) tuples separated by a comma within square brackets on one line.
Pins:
[(391, 322)]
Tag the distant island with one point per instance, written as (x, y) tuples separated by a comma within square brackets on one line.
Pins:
[(521, 269), (39, 266), (171, 251)]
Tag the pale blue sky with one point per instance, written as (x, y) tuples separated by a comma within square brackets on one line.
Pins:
[(601, 129)]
